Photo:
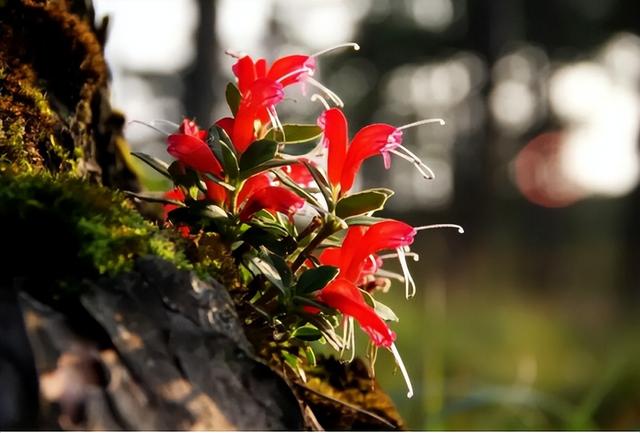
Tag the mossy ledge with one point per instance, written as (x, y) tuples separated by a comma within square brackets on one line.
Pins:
[(65, 229)]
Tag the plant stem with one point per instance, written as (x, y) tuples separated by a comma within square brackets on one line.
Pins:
[(327, 230)]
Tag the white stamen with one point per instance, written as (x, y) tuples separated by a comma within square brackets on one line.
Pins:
[(352, 339), (440, 226), (234, 54), (403, 370), (157, 124), (389, 274), (316, 97), (275, 121), (415, 256), (421, 122), (424, 170), (417, 160), (355, 46), (294, 72), (345, 335), (409, 283), (331, 94)]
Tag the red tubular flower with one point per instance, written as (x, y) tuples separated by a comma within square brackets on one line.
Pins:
[(344, 296), (379, 138), (273, 199), (336, 138), (345, 161), (256, 104), (356, 259), (286, 70), (188, 147), (361, 243), (371, 140)]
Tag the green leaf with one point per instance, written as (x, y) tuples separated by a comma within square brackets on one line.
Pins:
[(262, 265), (185, 176), (384, 312), (362, 202), (327, 329), (310, 355), (307, 333), (153, 198), (223, 184), (274, 163), (224, 137), (229, 161), (257, 237), (232, 93), (315, 279), (282, 267), (155, 163), (295, 133), (363, 220), (258, 153), (321, 181)]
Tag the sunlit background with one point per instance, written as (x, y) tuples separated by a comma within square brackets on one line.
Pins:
[(530, 319)]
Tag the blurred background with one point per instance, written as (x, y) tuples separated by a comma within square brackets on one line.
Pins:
[(530, 319)]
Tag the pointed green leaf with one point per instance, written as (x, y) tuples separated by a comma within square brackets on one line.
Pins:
[(153, 198), (363, 220), (310, 355), (321, 181), (262, 265), (232, 93), (258, 153), (362, 202), (384, 312), (258, 236), (307, 333), (223, 184), (282, 267), (274, 163), (315, 279), (155, 163), (295, 133), (229, 160)]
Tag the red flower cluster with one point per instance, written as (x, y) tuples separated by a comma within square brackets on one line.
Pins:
[(242, 169)]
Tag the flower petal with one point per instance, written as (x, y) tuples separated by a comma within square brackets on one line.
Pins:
[(245, 71), (287, 65), (344, 296), (273, 199), (174, 194), (215, 192), (194, 153), (369, 141), (251, 185), (336, 137)]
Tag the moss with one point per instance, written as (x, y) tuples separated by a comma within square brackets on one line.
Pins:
[(58, 227), (211, 257)]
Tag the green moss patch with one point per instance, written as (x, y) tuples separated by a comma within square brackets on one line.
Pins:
[(60, 228)]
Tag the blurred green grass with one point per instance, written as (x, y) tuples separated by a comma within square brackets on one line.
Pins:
[(485, 351)]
